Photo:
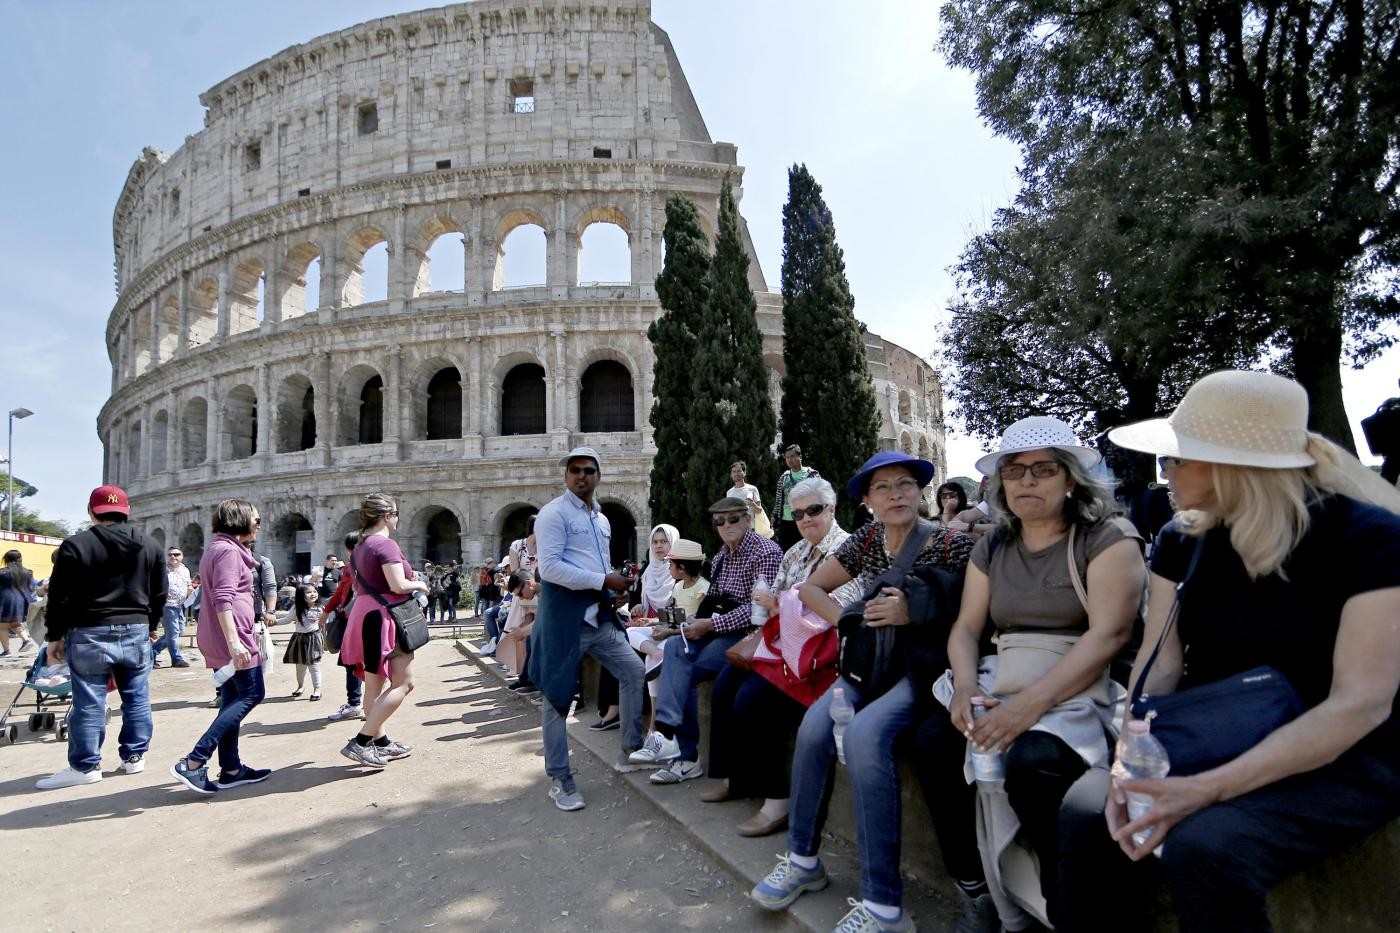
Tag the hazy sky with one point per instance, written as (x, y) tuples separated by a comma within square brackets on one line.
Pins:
[(854, 90)]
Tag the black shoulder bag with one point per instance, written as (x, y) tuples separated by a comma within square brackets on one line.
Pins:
[(410, 625), (1206, 726), (867, 656)]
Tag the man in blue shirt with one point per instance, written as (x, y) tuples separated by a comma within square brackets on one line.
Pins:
[(576, 617)]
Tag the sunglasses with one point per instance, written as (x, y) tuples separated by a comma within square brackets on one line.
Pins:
[(392, 513), (1041, 469), (583, 471), (730, 518), (811, 511)]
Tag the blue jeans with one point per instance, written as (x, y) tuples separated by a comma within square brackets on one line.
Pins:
[(493, 629), (354, 688), (606, 643), (869, 744), (688, 663), (122, 652), (238, 695), (173, 621)]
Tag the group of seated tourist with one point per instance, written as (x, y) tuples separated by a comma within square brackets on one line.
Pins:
[(1283, 555)]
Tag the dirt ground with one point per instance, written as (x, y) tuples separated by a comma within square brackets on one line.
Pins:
[(461, 836)]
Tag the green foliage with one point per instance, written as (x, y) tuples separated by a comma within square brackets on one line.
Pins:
[(23, 490), (30, 523), (828, 405), (1275, 129), (683, 289), (969, 486), (731, 417)]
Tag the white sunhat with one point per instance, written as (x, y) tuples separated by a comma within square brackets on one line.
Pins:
[(1040, 432), (1232, 417)]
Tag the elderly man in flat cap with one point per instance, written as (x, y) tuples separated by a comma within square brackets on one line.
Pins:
[(724, 617)]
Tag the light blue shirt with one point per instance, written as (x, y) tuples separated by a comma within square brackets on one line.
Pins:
[(572, 540)]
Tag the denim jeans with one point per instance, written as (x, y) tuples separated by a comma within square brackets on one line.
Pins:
[(493, 629), (869, 744), (95, 653), (611, 649), (687, 664), (354, 688), (173, 621), (238, 695)]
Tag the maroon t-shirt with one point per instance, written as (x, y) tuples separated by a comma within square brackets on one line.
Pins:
[(369, 558)]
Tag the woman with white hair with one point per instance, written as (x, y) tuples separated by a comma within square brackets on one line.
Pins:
[(1285, 556)]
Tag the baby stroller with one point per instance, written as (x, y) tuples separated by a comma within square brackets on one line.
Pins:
[(45, 695)]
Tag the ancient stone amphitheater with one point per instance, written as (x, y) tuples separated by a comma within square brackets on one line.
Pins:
[(277, 333)]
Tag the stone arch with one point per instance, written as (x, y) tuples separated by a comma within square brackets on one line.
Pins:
[(361, 406), (524, 400), (352, 280), (509, 227), (906, 408), (133, 468), (141, 336), (440, 255), (607, 398), (300, 282), (510, 521), (160, 435), (239, 438), (604, 247), (158, 534), (622, 546), (203, 312), (348, 522), (169, 329), (194, 433), (442, 404), (283, 549), (906, 443), (295, 410), (246, 301), (924, 452), (435, 533), (192, 543)]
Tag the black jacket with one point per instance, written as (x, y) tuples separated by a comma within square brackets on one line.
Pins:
[(107, 575)]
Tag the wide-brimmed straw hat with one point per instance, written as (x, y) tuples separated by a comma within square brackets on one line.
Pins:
[(1039, 432), (686, 549), (1233, 417)]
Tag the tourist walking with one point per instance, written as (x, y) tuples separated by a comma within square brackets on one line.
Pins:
[(383, 579), (340, 603), (229, 643), (177, 587), (106, 596), (783, 521), (305, 646), (16, 589)]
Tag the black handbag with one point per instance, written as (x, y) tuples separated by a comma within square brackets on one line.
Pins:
[(335, 629), (410, 625), (867, 657), (1204, 727)]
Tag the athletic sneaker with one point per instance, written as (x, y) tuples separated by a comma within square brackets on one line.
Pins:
[(677, 772), (196, 779), (347, 711), (366, 755), (657, 750), (26, 644), (488, 649), (565, 793), (69, 777), (135, 764), (244, 775), (786, 882), (861, 920), (394, 751)]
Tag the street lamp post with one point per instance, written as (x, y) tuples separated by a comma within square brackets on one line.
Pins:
[(10, 456)]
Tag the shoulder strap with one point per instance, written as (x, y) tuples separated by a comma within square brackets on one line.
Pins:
[(1171, 620), (1075, 580), (361, 588), (909, 552)]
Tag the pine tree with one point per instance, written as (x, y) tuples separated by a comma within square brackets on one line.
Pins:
[(828, 406), (731, 416), (682, 288)]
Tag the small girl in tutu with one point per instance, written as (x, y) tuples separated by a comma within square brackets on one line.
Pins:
[(304, 648)]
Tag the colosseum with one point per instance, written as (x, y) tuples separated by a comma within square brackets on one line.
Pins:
[(281, 331)]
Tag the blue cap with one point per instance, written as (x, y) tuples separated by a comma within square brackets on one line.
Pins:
[(859, 484)]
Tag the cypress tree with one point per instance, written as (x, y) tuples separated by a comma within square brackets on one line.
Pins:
[(731, 416), (682, 288), (828, 405)]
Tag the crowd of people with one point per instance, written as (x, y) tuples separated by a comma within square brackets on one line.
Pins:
[(1001, 646)]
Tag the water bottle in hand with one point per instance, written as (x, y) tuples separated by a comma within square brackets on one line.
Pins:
[(761, 587), (221, 675), (842, 712), (1140, 757), (989, 767)]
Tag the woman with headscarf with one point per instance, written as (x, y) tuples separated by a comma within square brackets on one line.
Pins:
[(651, 592)]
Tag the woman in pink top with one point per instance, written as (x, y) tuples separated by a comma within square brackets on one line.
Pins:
[(226, 598), (370, 647)]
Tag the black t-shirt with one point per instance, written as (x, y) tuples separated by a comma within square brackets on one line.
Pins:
[(1230, 624)]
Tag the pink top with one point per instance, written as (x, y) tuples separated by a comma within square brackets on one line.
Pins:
[(226, 585), (369, 558)]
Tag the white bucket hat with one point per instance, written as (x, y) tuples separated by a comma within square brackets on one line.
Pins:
[(1234, 417), (1039, 432)]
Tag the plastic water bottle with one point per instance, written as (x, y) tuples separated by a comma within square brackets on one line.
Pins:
[(761, 587), (1140, 757), (988, 767), (842, 712), (222, 674)]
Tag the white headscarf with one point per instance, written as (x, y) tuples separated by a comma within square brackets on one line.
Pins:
[(656, 578)]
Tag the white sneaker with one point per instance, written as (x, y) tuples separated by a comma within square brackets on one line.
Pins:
[(489, 647), (134, 765), (347, 712), (677, 772), (68, 777), (657, 750)]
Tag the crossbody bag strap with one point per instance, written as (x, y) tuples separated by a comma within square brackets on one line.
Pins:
[(359, 587), (1171, 620), (908, 553), (1074, 578)]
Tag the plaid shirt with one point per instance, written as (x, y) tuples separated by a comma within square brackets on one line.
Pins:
[(734, 573)]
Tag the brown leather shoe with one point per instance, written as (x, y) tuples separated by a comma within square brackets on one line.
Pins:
[(760, 825), (717, 794)]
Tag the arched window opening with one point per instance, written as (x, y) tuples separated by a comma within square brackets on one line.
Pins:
[(906, 443), (293, 544), (513, 528), (194, 433), (443, 542), (521, 259), (142, 349), (169, 329), (204, 312), (444, 415), (245, 297), (159, 535), (604, 256), (924, 453), (905, 409), (192, 543), (300, 281), (366, 268), (160, 433), (240, 439), (375, 277), (133, 452), (522, 400), (623, 544), (445, 264), (296, 415), (606, 401), (371, 429)]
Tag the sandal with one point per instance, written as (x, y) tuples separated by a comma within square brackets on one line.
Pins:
[(297, 692)]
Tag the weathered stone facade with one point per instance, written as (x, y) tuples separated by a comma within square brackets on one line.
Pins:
[(466, 121)]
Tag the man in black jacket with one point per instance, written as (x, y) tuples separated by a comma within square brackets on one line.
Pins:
[(106, 598)]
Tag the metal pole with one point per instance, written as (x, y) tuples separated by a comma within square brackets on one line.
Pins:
[(10, 470)]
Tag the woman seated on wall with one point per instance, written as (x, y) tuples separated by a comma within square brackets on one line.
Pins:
[(650, 592), (891, 484), (515, 634), (1061, 581), (1298, 569)]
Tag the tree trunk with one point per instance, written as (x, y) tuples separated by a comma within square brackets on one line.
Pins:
[(1316, 356)]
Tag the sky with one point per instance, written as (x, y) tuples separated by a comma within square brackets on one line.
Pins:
[(855, 91)]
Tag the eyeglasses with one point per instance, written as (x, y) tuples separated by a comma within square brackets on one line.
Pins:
[(176, 554), (257, 520), (583, 471), (948, 495), (392, 513), (811, 511), (1041, 469), (1173, 462), (732, 518), (902, 487)]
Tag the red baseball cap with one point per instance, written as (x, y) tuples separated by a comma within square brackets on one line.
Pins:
[(107, 499)]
